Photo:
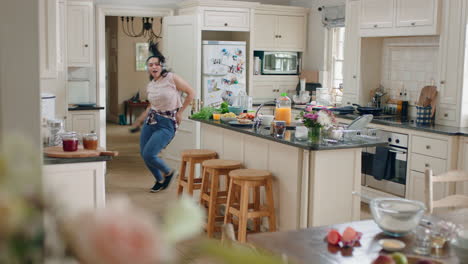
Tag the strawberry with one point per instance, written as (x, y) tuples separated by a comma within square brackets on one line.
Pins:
[(333, 237)]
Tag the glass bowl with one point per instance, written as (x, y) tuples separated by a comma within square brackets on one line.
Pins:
[(395, 216)]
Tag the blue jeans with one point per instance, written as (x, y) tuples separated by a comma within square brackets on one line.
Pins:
[(153, 139)]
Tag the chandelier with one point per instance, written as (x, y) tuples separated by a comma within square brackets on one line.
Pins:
[(146, 30)]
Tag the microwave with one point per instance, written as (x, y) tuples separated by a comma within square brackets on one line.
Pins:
[(279, 62)]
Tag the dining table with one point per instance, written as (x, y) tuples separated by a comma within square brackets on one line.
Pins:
[(310, 245)]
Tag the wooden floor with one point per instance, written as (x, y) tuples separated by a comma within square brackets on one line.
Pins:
[(128, 175)]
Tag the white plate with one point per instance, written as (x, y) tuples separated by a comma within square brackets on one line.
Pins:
[(392, 244)]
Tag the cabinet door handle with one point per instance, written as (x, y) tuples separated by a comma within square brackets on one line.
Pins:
[(376, 26), (442, 82), (86, 45), (413, 23), (279, 36), (426, 165), (225, 24), (428, 147), (445, 115), (354, 76), (276, 36)]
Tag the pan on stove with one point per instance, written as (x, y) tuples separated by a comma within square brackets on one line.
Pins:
[(363, 110)]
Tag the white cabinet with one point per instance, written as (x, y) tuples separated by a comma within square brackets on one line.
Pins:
[(451, 60), (279, 32), (225, 19), (269, 88), (399, 17), (48, 38), (377, 13), (462, 187), (83, 121), (352, 54), (415, 13), (76, 185), (80, 41)]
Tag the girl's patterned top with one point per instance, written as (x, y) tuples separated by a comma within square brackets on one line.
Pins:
[(151, 119)]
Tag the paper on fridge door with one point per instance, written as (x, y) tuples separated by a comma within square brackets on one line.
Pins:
[(212, 89)]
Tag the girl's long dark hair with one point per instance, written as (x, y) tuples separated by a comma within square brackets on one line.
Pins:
[(153, 49)]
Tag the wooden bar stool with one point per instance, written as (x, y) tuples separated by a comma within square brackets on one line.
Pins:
[(192, 157), (241, 182), (212, 195)]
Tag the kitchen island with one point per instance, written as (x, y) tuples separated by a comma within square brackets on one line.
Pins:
[(313, 183), (78, 183)]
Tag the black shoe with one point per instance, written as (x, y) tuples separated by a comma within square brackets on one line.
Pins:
[(157, 187), (167, 180)]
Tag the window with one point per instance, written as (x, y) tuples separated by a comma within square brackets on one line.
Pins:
[(336, 58)]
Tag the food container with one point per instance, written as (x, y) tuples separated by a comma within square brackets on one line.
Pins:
[(69, 141), (90, 141), (395, 216)]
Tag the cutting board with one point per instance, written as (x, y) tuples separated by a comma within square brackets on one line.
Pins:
[(57, 152)]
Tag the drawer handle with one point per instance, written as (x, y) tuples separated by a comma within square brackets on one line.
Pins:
[(86, 45), (354, 76), (279, 36), (428, 147), (225, 24), (426, 165), (276, 36), (376, 26), (445, 115), (413, 23), (442, 82)]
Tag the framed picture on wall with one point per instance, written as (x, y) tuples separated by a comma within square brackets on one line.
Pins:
[(141, 54)]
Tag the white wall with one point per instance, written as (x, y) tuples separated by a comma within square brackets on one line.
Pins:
[(315, 56), (19, 70)]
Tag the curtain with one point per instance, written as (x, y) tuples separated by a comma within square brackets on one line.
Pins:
[(333, 16)]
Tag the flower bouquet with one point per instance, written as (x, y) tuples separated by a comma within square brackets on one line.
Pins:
[(315, 121)]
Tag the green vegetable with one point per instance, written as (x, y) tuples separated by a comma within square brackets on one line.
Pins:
[(224, 108), (205, 113)]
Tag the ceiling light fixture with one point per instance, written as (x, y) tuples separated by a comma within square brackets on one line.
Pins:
[(146, 29)]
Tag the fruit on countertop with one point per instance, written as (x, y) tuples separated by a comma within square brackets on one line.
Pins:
[(333, 237), (348, 239), (399, 258), (246, 116), (383, 259)]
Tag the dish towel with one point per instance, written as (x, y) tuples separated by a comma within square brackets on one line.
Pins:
[(379, 164)]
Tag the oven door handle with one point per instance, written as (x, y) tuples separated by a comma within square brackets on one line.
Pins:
[(397, 151)]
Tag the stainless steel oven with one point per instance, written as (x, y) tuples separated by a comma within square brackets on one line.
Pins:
[(384, 168)]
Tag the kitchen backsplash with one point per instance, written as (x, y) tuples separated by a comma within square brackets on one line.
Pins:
[(81, 85), (409, 63)]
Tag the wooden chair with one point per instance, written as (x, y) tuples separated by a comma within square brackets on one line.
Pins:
[(455, 200), (192, 157), (242, 181), (211, 194)]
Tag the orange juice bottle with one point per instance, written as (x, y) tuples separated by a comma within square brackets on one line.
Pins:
[(283, 109)]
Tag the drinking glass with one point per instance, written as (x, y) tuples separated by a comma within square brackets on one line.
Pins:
[(301, 133), (422, 241), (280, 128)]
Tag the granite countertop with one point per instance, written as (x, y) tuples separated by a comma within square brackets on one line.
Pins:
[(52, 161), (83, 108), (437, 129), (289, 138)]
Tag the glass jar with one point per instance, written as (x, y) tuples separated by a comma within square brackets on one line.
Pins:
[(55, 127), (69, 141), (283, 109), (90, 141)]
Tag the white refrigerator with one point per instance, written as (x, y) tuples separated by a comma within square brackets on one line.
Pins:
[(224, 70)]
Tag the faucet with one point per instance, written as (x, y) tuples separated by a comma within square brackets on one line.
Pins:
[(258, 119)]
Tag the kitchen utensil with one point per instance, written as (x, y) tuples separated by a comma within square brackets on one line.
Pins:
[(365, 110), (267, 119), (343, 110), (395, 216), (57, 152), (235, 109), (428, 97), (228, 119), (360, 122)]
